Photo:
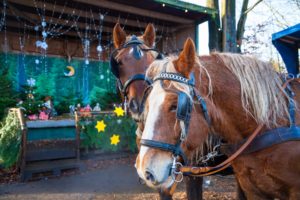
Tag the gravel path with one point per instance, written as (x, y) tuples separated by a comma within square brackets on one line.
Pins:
[(114, 179)]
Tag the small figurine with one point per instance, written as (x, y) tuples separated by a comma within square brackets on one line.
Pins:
[(72, 109), (20, 104), (87, 108), (97, 108), (78, 107), (43, 115)]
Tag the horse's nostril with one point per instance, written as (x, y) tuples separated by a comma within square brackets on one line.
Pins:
[(134, 106), (150, 177)]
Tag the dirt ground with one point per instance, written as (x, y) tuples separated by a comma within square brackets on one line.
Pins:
[(108, 179)]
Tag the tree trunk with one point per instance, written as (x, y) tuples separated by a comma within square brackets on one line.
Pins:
[(215, 36), (229, 28), (241, 25)]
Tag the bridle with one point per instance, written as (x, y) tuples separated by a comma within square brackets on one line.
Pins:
[(135, 43), (183, 113)]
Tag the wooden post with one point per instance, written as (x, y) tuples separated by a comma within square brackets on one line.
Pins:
[(229, 26), (215, 36), (22, 160), (77, 136)]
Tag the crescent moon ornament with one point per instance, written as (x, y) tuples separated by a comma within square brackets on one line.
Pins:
[(71, 71)]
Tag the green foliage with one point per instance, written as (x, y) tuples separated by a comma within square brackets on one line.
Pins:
[(123, 126), (104, 97), (50, 79), (7, 96), (10, 140)]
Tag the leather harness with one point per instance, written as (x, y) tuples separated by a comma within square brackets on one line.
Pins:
[(251, 144)]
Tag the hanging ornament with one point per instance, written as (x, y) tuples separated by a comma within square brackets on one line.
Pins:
[(37, 61), (71, 71), (36, 28), (99, 48), (101, 17), (31, 82), (119, 121), (87, 42), (87, 62), (44, 45), (101, 77), (44, 24), (44, 34), (38, 43)]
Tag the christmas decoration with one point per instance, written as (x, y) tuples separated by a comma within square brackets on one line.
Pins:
[(10, 140), (100, 126), (119, 111), (115, 139)]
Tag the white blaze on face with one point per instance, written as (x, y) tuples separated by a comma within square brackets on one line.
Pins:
[(156, 99)]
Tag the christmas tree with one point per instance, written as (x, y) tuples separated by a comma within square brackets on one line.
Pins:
[(7, 97)]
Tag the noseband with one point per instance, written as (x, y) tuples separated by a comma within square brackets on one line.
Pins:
[(183, 113), (135, 43)]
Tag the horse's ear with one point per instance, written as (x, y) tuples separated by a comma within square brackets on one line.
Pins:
[(119, 36), (186, 60), (149, 35)]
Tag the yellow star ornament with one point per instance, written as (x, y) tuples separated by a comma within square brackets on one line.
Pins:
[(115, 139), (119, 111), (100, 126)]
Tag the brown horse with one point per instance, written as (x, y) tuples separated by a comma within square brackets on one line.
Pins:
[(124, 66), (231, 95)]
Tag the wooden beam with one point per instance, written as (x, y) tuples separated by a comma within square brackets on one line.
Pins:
[(137, 11), (80, 13)]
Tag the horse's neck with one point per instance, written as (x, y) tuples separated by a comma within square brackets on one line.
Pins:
[(225, 107)]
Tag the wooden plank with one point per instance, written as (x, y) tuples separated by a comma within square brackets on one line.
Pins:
[(137, 11), (80, 13), (51, 123)]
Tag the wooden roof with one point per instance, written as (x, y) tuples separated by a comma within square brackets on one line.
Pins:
[(167, 15)]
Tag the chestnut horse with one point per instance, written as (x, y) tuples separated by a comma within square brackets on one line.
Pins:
[(225, 96), (129, 62)]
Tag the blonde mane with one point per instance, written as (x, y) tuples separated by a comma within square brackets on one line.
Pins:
[(261, 93), (262, 96)]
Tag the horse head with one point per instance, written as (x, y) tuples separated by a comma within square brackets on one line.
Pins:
[(194, 99), (129, 61)]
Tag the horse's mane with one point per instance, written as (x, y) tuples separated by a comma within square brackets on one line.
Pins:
[(262, 96)]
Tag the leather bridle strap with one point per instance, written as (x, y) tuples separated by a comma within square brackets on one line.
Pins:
[(173, 148), (133, 78)]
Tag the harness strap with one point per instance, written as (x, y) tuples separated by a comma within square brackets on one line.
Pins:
[(133, 78), (266, 140), (173, 148)]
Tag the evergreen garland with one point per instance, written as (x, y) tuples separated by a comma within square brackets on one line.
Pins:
[(125, 127), (10, 140), (7, 98)]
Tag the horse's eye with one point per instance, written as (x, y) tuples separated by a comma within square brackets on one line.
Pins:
[(120, 63), (173, 108)]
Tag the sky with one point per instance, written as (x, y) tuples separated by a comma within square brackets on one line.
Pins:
[(270, 12)]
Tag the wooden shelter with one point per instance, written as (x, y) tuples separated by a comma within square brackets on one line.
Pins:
[(69, 23)]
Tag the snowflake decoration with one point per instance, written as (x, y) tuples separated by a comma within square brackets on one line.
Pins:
[(31, 82)]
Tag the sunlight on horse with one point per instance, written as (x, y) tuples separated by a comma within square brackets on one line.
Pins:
[(240, 92)]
